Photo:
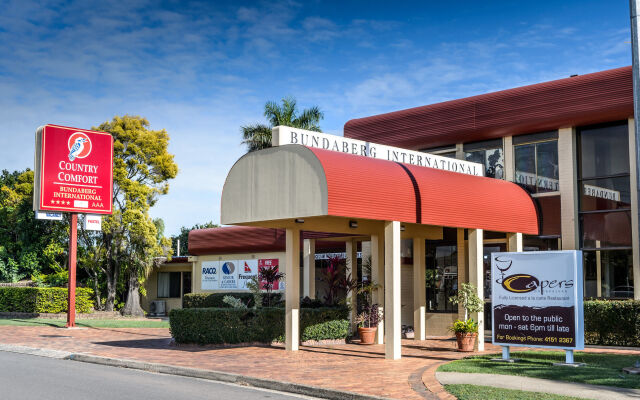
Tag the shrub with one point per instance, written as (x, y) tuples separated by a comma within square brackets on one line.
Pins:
[(215, 300), (612, 322), (265, 325), (336, 329), (43, 300)]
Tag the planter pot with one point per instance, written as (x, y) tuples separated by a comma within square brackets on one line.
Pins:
[(466, 341), (367, 335)]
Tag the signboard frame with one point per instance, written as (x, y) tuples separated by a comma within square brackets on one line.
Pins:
[(105, 178), (577, 292)]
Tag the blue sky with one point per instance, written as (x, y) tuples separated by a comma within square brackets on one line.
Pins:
[(202, 69)]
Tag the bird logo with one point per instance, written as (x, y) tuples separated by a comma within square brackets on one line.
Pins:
[(79, 145)]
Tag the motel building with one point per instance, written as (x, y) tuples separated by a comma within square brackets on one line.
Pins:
[(427, 194)]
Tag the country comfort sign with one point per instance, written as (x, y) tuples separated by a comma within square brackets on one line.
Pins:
[(283, 135), (537, 299), (73, 170)]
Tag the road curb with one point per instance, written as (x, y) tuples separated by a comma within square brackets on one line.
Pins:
[(35, 351), (243, 380)]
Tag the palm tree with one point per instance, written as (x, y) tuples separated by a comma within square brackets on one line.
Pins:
[(258, 136)]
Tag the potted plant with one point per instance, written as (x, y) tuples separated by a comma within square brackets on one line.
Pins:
[(370, 314), (466, 331), (367, 322)]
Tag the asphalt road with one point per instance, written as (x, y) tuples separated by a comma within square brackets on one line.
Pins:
[(29, 377)]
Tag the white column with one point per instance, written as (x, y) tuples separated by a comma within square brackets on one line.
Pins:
[(568, 185), (514, 242), (377, 275), (309, 268), (292, 290), (352, 271), (476, 276), (393, 345), (419, 291)]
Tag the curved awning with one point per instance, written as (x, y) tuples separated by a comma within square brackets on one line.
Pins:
[(294, 181)]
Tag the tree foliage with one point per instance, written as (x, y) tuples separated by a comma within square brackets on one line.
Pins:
[(27, 246), (258, 136), (129, 241)]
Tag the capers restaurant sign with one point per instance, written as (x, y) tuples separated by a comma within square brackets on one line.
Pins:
[(537, 299)]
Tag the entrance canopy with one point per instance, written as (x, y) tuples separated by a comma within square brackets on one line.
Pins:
[(297, 182)]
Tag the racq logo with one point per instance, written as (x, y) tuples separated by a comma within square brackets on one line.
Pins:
[(79, 145), (525, 283)]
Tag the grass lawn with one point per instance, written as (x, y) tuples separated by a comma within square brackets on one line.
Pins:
[(473, 392), (87, 323), (601, 369)]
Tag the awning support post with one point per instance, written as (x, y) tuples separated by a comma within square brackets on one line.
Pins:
[(393, 345), (292, 290), (419, 290), (476, 276), (514, 242), (377, 275), (309, 259), (352, 271)]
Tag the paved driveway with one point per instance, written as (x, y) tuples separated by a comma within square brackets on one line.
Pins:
[(354, 368)]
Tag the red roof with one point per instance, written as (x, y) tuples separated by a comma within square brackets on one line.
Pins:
[(363, 187), (250, 239), (580, 100)]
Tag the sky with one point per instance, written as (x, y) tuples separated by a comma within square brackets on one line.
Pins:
[(201, 70)]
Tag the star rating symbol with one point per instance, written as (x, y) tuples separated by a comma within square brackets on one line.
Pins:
[(57, 201), (68, 203), (53, 202)]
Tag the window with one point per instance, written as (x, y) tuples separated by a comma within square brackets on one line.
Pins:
[(605, 210), (489, 154), (537, 166), (442, 272), (168, 284)]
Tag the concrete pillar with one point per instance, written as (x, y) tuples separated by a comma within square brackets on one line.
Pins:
[(463, 274), (292, 290), (352, 271), (514, 242), (568, 185), (476, 276), (509, 159), (392, 262), (377, 275), (309, 268), (419, 291)]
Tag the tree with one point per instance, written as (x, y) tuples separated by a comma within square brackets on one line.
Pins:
[(129, 241), (28, 246), (183, 236), (258, 136)]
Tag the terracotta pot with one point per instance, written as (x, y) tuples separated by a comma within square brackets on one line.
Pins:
[(466, 341), (367, 335)]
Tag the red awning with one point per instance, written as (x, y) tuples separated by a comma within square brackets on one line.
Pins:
[(294, 181), (363, 187)]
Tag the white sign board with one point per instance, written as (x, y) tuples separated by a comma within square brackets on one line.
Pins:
[(210, 275), (93, 222), (283, 135), (537, 299), (248, 269), (48, 215)]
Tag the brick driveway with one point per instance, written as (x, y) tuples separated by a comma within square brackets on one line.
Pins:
[(351, 367)]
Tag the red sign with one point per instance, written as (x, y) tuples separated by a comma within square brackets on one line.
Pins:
[(268, 263), (74, 170)]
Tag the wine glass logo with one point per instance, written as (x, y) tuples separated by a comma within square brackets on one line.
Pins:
[(503, 265)]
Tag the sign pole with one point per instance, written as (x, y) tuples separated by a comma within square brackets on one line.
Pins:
[(73, 244)]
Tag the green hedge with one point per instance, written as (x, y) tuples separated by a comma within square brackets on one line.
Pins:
[(612, 322), (265, 325), (208, 300), (43, 300)]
